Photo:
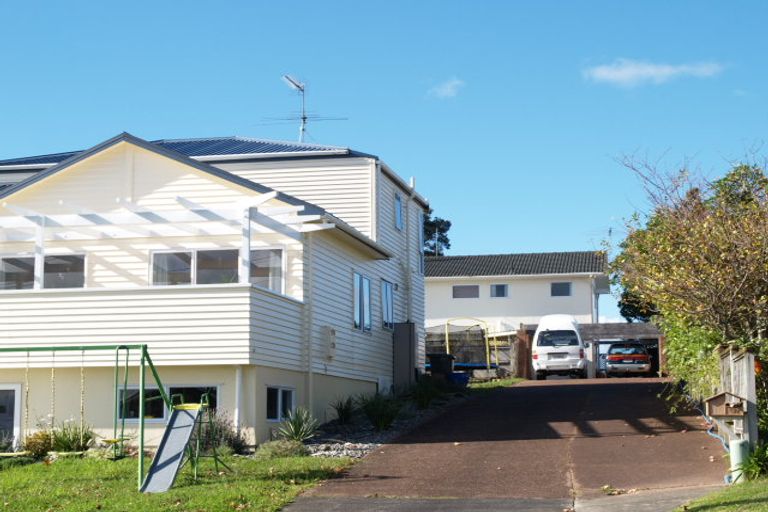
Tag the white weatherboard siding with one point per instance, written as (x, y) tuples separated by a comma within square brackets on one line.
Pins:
[(340, 185), (529, 298)]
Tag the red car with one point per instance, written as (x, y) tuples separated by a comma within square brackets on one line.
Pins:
[(627, 358)]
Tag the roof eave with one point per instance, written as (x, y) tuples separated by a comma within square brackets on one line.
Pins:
[(513, 276)]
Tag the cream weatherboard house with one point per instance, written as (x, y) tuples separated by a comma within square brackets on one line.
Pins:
[(268, 274), (507, 290)]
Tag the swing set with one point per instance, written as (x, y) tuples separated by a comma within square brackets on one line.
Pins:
[(120, 402)]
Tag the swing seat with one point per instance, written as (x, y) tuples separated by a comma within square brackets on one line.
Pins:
[(112, 442)]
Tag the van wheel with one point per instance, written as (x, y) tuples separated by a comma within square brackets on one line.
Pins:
[(541, 376), (583, 375)]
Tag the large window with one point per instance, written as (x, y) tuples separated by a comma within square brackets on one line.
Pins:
[(154, 407), (17, 273), (560, 289), (466, 291), (362, 301), (172, 268), (215, 267), (387, 305), (64, 271), (193, 394), (279, 403), (399, 211), (267, 269), (499, 290)]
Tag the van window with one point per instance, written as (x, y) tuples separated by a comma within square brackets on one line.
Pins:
[(558, 339)]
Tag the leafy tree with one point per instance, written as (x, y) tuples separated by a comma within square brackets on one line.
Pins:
[(634, 309), (436, 239)]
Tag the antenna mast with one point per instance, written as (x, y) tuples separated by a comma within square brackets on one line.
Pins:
[(301, 89)]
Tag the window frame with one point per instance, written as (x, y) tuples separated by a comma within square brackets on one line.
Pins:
[(399, 214), (280, 389), (135, 387), (475, 286), (552, 289), (283, 263), (30, 255), (192, 267), (57, 254), (196, 262), (387, 305), (493, 287), (359, 317)]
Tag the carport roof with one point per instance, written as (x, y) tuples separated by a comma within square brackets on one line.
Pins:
[(613, 330), (576, 262)]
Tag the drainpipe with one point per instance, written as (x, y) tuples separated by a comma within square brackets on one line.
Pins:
[(238, 397), (408, 254), (309, 319)]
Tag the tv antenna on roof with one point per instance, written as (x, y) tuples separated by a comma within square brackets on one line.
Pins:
[(301, 88)]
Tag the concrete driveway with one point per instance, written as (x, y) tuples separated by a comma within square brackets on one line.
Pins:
[(547, 445)]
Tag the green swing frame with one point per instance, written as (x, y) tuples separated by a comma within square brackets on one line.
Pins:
[(119, 405)]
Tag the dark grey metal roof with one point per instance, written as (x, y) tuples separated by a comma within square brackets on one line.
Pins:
[(516, 264), (207, 147)]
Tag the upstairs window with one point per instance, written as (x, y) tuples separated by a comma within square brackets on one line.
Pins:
[(215, 267), (560, 289), (469, 291), (399, 211), (362, 302), (172, 268), (64, 271), (499, 290), (17, 273), (387, 305), (267, 269)]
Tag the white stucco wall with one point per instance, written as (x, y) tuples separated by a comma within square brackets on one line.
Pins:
[(528, 299)]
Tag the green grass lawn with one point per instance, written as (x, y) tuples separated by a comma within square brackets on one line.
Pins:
[(491, 385), (747, 497), (92, 484)]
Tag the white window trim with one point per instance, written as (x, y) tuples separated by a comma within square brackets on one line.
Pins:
[(392, 304), (135, 387), (280, 390), (399, 213), (16, 388), (24, 255), (193, 263), (58, 253), (283, 262), (362, 304), (506, 289)]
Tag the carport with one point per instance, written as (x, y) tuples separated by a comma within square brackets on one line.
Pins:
[(601, 335)]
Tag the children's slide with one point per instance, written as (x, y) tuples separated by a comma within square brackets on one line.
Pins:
[(170, 454)]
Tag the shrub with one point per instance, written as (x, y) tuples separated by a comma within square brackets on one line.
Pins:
[(344, 409), (299, 426), (425, 391), (221, 433), (38, 444), (380, 410), (6, 442), (756, 465), (281, 448), (12, 462), (72, 438)]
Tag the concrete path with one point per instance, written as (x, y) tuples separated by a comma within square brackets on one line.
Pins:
[(539, 446)]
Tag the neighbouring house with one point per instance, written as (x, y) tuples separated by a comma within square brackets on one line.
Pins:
[(268, 274), (507, 290)]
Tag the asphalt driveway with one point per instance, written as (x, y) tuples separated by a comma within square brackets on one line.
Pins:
[(546, 445)]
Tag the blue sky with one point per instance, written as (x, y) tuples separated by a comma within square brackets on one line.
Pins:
[(511, 115)]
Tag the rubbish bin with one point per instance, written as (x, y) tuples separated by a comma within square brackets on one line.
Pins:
[(441, 364)]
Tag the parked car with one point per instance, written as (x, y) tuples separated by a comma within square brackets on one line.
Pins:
[(558, 348), (627, 358)]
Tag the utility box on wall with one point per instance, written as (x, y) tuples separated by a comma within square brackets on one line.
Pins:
[(404, 355), (329, 338)]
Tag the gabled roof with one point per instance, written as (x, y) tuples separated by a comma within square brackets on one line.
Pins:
[(309, 208), (210, 148), (579, 262)]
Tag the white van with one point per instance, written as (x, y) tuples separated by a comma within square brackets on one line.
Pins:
[(557, 348)]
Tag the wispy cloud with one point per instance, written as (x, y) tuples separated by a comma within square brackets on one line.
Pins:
[(448, 89), (630, 73)]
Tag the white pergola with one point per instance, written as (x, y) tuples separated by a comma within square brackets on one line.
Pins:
[(131, 221)]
